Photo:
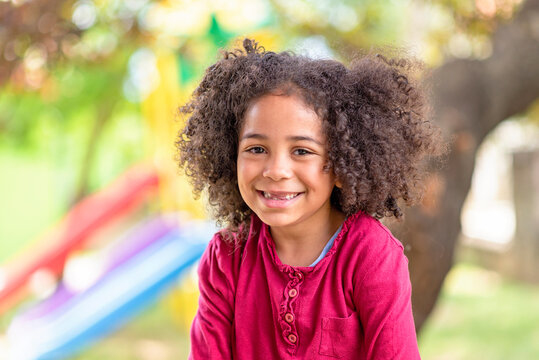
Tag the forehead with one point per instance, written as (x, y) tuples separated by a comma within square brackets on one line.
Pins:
[(281, 114)]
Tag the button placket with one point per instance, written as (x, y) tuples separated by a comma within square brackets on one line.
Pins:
[(287, 317)]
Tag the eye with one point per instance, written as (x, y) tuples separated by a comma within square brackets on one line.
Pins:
[(302, 152), (256, 150)]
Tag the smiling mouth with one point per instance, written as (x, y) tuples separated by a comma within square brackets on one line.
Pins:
[(279, 196)]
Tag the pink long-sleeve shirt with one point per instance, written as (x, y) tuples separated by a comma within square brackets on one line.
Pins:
[(353, 304)]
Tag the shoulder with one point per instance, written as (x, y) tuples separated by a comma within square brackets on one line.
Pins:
[(374, 249), (226, 249), (220, 255), (369, 233), (218, 269)]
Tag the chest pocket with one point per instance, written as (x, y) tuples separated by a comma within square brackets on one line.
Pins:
[(341, 337)]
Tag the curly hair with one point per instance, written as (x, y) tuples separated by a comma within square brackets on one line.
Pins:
[(374, 115)]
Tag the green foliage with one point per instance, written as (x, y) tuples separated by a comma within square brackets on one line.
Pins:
[(346, 25)]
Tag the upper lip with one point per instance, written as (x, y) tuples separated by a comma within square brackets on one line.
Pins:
[(280, 192)]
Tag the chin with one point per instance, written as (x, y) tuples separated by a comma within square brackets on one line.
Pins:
[(276, 220)]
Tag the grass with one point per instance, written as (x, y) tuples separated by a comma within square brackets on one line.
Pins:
[(154, 335), (31, 201), (482, 315)]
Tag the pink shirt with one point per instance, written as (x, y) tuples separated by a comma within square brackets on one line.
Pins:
[(353, 304)]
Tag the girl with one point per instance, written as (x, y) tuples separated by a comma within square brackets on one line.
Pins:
[(299, 159)]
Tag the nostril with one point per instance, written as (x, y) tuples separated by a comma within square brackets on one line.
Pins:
[(276, 172)]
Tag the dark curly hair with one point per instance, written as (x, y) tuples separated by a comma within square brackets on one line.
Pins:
[(373, 112)]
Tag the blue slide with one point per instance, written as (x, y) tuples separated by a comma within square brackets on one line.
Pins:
[(113, 300)]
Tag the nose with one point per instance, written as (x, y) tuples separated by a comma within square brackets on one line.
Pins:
[(278, 167)]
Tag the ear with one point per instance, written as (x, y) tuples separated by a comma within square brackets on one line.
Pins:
[(338, 184)]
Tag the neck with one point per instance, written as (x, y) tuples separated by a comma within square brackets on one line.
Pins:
[(302, 246)]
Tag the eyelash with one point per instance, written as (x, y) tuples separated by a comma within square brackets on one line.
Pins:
[(304, 152), (260, 150), (255, 150)]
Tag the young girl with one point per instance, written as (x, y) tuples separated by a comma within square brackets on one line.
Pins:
[(300, 158)]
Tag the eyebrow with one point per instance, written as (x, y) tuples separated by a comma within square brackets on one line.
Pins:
[(290, 138)]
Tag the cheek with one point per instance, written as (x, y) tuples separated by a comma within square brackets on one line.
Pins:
[(245, 171), (321, 180), (240, 174), (317, 171)]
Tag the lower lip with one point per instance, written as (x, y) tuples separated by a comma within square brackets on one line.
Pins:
[(278, 204)]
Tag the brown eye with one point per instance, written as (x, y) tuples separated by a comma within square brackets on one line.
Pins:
[(301, 152), (256, 150)]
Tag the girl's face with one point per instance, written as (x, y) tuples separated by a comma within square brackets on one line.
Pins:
[(281, 156)]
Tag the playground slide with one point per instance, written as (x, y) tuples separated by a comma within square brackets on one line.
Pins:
[(131, 285), (91, 214), (113, 255)]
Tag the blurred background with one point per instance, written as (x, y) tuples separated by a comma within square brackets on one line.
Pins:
[(99, 233)]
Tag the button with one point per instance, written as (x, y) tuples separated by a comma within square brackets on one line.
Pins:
[(299, 275), (289, 318), (292, 338), (292, 292)]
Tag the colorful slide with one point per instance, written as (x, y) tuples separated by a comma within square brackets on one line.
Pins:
[(140, 270), (112, 256), (87, 217), (134, 270)]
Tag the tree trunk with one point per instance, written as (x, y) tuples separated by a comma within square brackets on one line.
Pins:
[(86, 167), (470, 97)]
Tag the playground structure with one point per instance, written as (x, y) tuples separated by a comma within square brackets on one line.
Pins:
[(134, 270)]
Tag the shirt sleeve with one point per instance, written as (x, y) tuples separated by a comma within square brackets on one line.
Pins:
[(383, 299), (212, 328)]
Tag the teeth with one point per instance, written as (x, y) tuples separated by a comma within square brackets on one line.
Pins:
[(286, 197)]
